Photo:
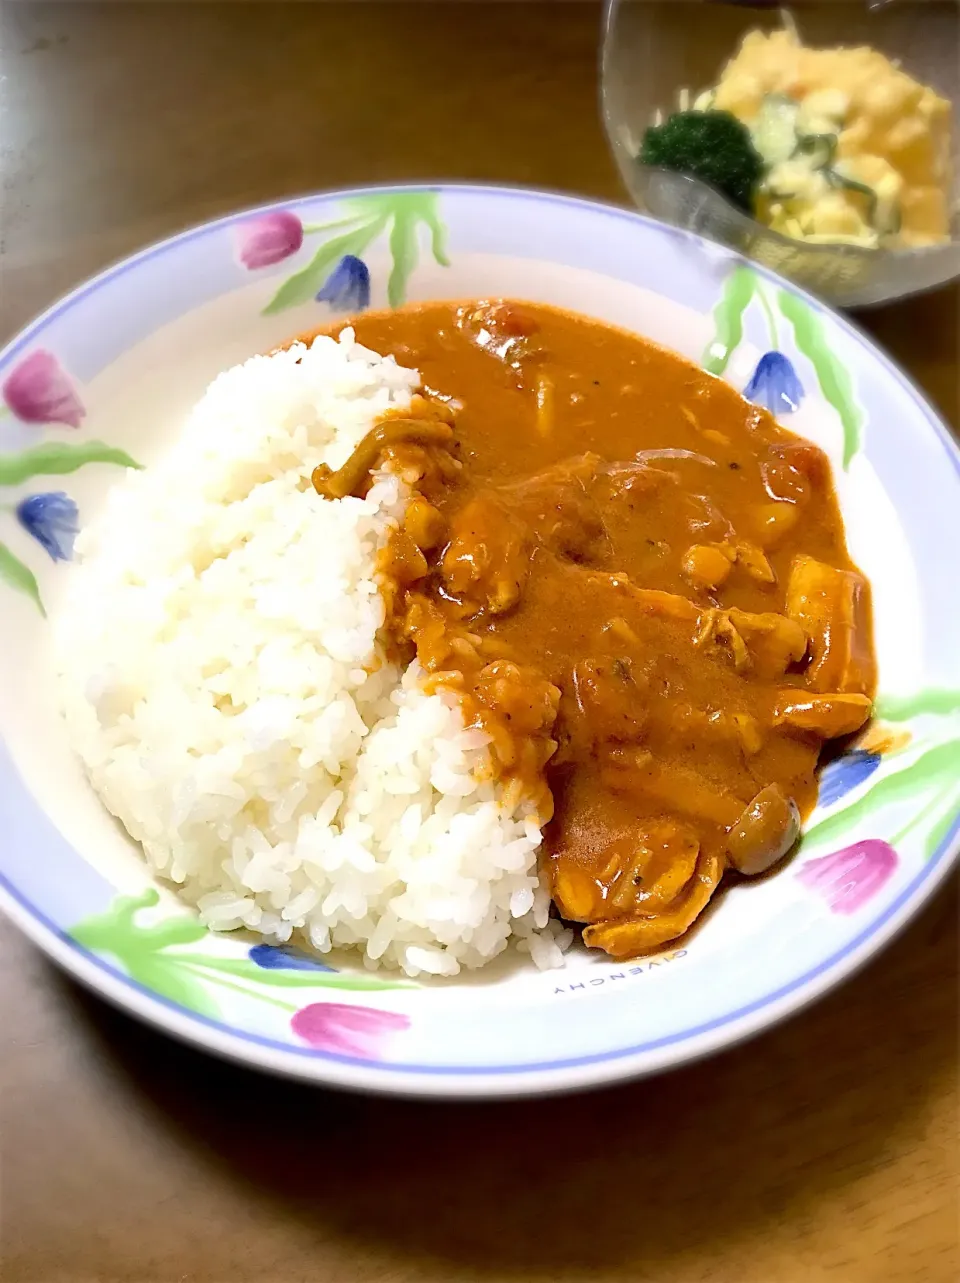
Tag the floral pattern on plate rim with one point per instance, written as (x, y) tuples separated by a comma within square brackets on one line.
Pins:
[(337, 273), (776, 382), (38, 391), (176, 957)]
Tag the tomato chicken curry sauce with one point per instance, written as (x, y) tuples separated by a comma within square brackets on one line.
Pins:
[(637, 584)]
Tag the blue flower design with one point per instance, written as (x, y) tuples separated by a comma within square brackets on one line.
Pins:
[(347, 288), (52, 520), (275, 957), (775, 384), (843, 775)]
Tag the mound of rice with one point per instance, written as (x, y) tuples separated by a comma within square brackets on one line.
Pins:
[(224, 684)]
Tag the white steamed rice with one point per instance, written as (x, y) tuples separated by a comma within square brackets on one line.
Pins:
[(224, 685)]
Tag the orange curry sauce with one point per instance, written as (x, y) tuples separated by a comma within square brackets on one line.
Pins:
[(636, 582)]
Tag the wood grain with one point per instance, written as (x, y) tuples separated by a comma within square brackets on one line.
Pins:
[(825, 1150)]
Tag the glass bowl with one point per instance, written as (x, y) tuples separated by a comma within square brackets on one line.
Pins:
[(654, 50)]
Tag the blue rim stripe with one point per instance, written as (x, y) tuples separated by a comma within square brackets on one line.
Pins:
[(534, 1067), (388, 1067)]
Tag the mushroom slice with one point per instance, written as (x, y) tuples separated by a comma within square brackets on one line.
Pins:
[(828, 716), (764, 833), (390, 432)]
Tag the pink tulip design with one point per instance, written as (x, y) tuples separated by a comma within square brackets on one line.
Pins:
[(847, 879), (268, 239), (348, 1030), (38, 390)]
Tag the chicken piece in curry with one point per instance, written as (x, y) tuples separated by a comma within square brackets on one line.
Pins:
[(636, 583)]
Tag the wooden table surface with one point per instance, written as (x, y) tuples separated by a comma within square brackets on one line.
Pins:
[(827, 1149)]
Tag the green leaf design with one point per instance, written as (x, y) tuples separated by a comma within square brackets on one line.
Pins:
[(728, 319), (311, 229), (429, 214), (118, 931), (942, 827), (171, 931), (19, 576), (139, 949), (424, 206), (402, 212), (937, 764), (934, 700), (115, 929), (235, 986), (165, 977), (289, 979), (57, 459), (146, 954), (833, 377), (404, 252), (303, 285)]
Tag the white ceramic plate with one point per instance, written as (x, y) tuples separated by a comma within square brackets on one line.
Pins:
[(109, 372)]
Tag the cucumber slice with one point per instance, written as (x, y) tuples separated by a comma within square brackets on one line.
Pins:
[(818, 149), (775, 131), (836, 179)]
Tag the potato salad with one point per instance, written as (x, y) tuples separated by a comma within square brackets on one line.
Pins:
[(854, 150)]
